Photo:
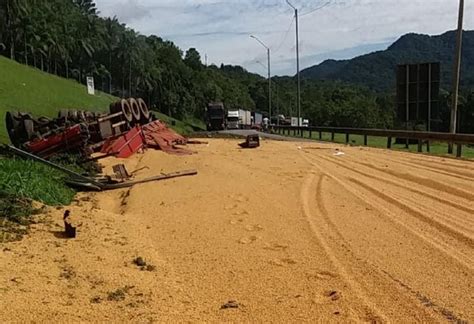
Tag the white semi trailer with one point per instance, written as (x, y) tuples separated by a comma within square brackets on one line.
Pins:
[(245, 119)]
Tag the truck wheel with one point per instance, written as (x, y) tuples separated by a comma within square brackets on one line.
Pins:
[(126, 110), (145, 113), (29, 128), (135, 110)]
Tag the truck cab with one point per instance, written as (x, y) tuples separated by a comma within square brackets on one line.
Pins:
[(215, 117), (233, 119)]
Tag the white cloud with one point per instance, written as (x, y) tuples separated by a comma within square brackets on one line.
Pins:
[(221, 29)]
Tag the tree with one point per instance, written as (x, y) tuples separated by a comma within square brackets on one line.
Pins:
[(193, 59)]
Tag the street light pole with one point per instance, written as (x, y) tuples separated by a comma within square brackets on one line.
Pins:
[(457, 72), (298, 96), (269, 77)]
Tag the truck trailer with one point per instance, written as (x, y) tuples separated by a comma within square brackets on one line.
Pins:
[(245, 119), (257, 119)]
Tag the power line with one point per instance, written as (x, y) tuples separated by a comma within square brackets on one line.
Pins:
[(285, 37), (316, 9)]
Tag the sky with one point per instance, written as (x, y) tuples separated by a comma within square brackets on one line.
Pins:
[(328, 29)]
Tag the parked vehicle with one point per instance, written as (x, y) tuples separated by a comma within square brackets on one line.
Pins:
[(257, 119), (233, 119), (245, 119), (215, 117), (305, 123), (295, 123)]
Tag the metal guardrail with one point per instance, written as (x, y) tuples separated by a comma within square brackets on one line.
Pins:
[(458, 139)]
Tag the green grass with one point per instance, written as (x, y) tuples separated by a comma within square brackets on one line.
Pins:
[(185, 127), (381, 142), (26, 89), (35, 181)]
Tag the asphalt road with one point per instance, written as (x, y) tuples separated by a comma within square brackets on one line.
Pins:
[(245, 132)]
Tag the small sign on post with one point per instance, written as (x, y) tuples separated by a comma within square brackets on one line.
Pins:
[(90, 86)]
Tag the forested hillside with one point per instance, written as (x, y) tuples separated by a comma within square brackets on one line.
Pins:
[(378, 70)]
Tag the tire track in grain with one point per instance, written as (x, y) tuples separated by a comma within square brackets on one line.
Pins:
[(412, 211), (372, 313), (438, 170), (378, 278), (454, 219), (387, 212)]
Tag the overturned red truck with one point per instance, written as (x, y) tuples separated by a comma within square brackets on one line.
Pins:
[(128, 127)]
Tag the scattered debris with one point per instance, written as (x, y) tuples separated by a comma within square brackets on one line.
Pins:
[(339, 153), (98, 184), (159, 136), (143, 265), (121, 172), (252, 141), (119, 294), (139, 262), (334, 295), (230, 304), (96, 300), (69, 228)]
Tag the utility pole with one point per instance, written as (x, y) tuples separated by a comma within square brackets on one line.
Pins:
[(298, 96), (456, 74), (269, 77)]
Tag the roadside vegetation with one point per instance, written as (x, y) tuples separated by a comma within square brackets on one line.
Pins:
[(440, 149), (23, 184)]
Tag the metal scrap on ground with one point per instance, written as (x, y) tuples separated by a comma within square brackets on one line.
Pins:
[(98, 184)]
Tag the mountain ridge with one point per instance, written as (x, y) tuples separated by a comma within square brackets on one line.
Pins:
[(377, 70)]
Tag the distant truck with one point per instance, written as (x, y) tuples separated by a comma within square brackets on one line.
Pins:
[(215, 116), (294, 121), (233, 119), (245, 119), (257, 120)]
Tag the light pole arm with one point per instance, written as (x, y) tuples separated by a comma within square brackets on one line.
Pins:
[(258, 40)]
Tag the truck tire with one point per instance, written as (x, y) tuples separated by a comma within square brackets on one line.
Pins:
[(135, 110), (124, 106), (145, 112), (29, 128), (12, 122)]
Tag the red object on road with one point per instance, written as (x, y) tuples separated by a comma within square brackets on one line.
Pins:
[(125, 145), (155, 135), (159, 136)]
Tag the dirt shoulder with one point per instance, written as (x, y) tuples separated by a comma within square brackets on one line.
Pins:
[(290, 232)]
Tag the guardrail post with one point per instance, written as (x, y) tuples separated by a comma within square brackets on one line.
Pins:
[(302, 132), (320, 135), (294, 132), (332, 136), (459, 151), (428, 147), (389, 142), (310, 134), (366, 140), (420, 146), (347, 138)]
